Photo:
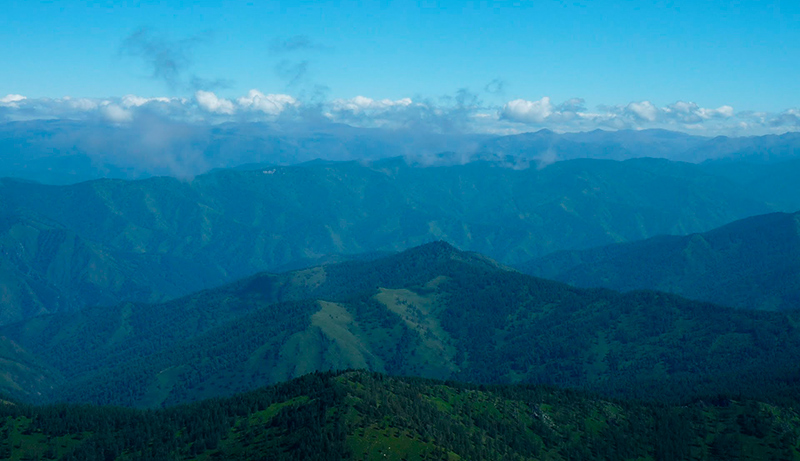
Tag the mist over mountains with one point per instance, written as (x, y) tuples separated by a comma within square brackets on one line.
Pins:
[(70, 151)]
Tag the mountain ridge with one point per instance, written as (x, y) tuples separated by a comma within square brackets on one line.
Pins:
[(750, 263), (169, 238), (431, 311)]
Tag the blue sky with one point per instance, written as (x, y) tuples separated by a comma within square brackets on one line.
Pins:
[(744, 55)]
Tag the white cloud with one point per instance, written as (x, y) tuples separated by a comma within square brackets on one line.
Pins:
[(644, 110), (520, 110), (271, 104), (211, 103), (80, 104), (692, 113), (461, 114), (132, 100), (722, 111), (11, 100), (362, 103), (116, 114)]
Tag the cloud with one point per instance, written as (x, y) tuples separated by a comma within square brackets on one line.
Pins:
[(520, 110), (270, 104), (448, 114), (11, 100), (169, 60), (788, 118), (293, 44), (462, 112), (211, 103), (496, 86), (131, 100), (81, 104), (292, 72), (116, 114), (645, 110), (689, 112), (572, 105), (572, 115), (362, 103)]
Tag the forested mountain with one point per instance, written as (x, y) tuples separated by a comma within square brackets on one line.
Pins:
[(109, 241), (431, 311), (359, 415), (753, 263), (23, 375), (45, 267)]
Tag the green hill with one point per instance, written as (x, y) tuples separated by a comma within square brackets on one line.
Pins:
[(753, 263), (365, 416), (431, 311)]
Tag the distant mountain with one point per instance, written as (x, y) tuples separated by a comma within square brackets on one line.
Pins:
[(359, 415), (431, 311), (752, 149), (69, 151), (753, 263), (159, 238), (546, 147)]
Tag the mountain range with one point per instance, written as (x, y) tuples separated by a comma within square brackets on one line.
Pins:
[(670, 327), (72, 151), (108, 241)]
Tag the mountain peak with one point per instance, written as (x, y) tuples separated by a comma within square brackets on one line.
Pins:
[(439, 246), (440, 251)]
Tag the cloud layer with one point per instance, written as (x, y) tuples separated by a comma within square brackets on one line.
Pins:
[(460, 113)]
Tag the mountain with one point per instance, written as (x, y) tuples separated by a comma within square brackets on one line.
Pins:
[(753, 263), (71, 151), (548, 146), (359, 415), (431, 311), (159, 238), (46, 267)]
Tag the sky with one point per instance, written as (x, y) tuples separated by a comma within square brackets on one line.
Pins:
[(699, 66)]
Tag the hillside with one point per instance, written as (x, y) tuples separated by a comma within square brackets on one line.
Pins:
[(23, 375), (358, 415), (110, 241), (47, 268), (431, 311), (753, 263)]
